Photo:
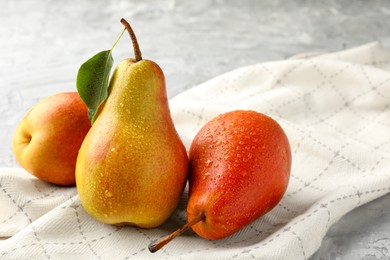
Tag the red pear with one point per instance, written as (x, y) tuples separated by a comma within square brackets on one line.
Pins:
[(239, 170), (240, 165)]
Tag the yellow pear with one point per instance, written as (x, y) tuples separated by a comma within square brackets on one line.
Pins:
[(132, 165)]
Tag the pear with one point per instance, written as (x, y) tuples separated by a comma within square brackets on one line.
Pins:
[(239, 170), (132, 165), (47, 140)]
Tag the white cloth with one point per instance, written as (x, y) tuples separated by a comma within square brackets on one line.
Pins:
[(335, 111)]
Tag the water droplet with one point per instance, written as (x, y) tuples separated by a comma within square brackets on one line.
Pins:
[(113, 149), (209, 163), (107, 193)]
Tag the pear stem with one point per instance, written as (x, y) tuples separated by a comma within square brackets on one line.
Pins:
[(157, 245), (137, 51)]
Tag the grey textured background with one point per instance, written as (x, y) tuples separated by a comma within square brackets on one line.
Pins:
[(43, 43)]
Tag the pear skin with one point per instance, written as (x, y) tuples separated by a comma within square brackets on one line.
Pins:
[(132, 166)]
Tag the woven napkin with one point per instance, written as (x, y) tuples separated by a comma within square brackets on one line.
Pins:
[(335, 111)]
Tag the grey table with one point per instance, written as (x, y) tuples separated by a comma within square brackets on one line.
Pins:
[(42, 44)]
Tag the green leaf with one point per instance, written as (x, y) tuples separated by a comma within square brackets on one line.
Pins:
[(92, 81)]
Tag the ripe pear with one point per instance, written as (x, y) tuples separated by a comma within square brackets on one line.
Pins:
[(48, 138), (239, 170), (239, 166), (132, 166)]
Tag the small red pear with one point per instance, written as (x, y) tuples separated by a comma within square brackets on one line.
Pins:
[(239, 170), (240, 166)]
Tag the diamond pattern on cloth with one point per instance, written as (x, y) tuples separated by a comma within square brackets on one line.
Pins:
[(335, 111)]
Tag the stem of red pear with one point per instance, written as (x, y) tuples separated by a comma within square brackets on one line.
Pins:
[(157, 245)]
